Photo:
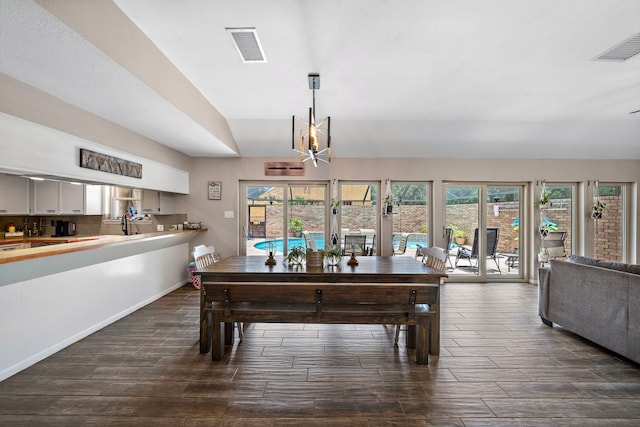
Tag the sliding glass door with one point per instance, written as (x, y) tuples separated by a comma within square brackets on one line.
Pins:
[(278, 212), (359, 213), (484, 222), (411, 216)]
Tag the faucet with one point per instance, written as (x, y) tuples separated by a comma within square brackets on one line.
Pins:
[(125, 224)]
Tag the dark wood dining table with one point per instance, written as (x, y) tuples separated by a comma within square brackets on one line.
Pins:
[(373, 274)]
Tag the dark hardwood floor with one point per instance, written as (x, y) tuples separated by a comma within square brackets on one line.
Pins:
[(499, 366)]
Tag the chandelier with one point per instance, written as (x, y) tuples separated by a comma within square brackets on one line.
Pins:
[(314, 138)]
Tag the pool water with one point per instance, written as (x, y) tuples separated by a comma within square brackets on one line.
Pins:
[(277, 245)]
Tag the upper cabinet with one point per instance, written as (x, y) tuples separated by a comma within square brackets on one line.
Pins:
[(14, 195), (157, 202), (64, 198), (46, 197), (94, 199), (71, 199)]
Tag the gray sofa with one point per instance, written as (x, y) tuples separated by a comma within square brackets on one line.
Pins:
[(598, 300)]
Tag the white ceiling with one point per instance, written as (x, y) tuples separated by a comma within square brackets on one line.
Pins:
[(399, 78)]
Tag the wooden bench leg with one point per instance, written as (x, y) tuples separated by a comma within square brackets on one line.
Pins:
[(229, 335), (411, 336), (217, 338), (434, 343), (422, 345)]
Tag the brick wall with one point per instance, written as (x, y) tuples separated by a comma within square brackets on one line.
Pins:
[(608, 230)]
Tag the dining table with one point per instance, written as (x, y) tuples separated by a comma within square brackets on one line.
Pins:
[(376, 278)]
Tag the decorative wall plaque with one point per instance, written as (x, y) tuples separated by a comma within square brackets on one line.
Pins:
[(215, 190), (104, 163)]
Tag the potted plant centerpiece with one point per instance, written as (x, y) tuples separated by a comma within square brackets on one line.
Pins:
[(333, 255), (296, 256), (296, 225)]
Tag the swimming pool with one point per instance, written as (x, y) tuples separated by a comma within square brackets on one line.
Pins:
[(277, 245)]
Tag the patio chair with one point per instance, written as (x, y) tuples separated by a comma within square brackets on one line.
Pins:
[(309, 242), (448, 234), (472, 253), (554, 244), (402, 245), (354, 244), (370, 233)]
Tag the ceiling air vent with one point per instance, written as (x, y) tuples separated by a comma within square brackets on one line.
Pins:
[(622, 51), (247, 43), (284, 169)]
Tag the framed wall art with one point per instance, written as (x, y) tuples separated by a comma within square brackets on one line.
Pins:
[(215, 190)]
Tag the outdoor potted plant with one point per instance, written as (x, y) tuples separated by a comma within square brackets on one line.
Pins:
[(598, 209), (296, 256), (333, 255), (296, 225), (460, 236)]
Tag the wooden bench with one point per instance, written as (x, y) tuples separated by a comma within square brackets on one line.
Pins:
[(330, 303)]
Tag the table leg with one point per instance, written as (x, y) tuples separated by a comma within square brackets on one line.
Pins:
[(205, 324)]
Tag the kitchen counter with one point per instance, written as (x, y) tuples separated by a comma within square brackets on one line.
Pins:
[(54, 295), (70, 244)]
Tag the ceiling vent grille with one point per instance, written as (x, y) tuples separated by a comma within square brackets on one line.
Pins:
[(622, 51), (247, 43)]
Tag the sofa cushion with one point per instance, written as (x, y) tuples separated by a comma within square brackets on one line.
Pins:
[(634, 268), (610, 265), (579, 259)]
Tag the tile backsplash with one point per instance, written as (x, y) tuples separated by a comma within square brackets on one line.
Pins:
[(91, 225)]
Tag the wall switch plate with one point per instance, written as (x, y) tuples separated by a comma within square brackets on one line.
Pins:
[(228, 214)]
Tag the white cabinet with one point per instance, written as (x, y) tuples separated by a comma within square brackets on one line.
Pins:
[(46, 197), (14, 195), (58, 198), (93, 199), (71, 199), (150, 202), (167, 203), (157, 202)]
